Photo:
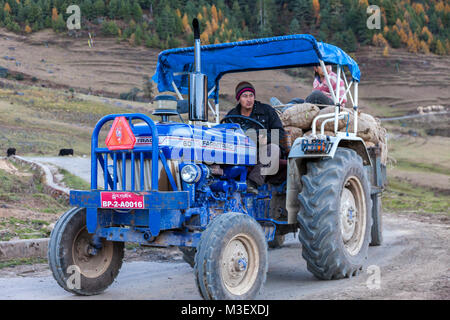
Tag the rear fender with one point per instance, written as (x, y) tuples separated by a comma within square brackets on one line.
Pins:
[(343, 141), (297, 167)]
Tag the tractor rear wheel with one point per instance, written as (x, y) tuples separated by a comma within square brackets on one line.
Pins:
[(231, 261), (76, 265), (335, 215)]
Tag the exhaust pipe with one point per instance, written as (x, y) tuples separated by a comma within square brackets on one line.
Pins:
[(198, 88)]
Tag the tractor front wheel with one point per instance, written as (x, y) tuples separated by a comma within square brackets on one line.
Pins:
[(76, 264), (231, 260)]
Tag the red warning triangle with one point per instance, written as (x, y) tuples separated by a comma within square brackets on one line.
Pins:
[(120, 137)]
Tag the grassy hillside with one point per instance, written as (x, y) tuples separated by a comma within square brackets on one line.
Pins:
[(38, 121)]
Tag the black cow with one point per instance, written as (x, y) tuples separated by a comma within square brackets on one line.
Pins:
[(11, 152), (65, 152)]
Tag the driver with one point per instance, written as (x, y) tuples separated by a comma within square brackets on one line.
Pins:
[(268, 117)]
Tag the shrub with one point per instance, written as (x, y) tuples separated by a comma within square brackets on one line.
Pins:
[(110, 28)]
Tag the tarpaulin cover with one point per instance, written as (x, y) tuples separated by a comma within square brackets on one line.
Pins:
[(250, 55)]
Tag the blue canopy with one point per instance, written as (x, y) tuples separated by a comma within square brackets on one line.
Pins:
[(250, 55)]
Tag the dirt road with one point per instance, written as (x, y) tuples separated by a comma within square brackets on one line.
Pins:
[(413, 263)]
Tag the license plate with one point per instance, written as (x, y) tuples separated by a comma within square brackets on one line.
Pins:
[(121, 200)]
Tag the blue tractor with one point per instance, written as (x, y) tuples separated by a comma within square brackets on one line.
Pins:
[(170, 183)]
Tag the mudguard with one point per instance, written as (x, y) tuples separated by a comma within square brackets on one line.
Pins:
[(297, 155), (341, 140)]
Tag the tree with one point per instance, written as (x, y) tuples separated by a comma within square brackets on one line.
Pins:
[(440, 50), (303, 11), (214, 14), (59, 25), (423, 47), (294, 26), (186, 25), (316, 10), (136, 11), (350, 42), (139, 35), (7, 8), (54, 14), (393, 38), (87, 8), (34, 12), (124, 11), (237, 14), (378, 40), (110, 28), (113, 9), (99, 8), (165, 23), (413, 43)]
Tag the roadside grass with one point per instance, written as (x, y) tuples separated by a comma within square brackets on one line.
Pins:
[(23, 261), (24, 229), (417, 154), (401, 196), (24, 194), (73, 182)]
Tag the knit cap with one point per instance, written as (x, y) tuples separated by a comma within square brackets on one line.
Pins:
[(242, 87)]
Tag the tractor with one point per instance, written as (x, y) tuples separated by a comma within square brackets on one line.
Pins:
[(183, 182)]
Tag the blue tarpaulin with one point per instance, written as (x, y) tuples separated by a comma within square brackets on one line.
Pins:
[(250, 55)]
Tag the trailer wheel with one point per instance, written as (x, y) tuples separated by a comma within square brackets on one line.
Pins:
[(231, 261), (335, 216), (188, 255), (377, 226), (75, 265)]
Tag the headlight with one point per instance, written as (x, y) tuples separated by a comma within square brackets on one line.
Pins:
[(190, 173)]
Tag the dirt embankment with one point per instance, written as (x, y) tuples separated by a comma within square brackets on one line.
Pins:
[(108, 68), (392, 85)]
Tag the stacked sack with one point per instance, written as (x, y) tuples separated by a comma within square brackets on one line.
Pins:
[(297, 122), (297, 119)]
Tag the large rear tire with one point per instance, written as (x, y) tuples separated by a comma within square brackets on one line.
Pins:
[(75, 265), (231, 260), (335, 215)]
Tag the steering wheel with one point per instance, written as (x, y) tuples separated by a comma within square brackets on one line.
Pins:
[(245, 122)]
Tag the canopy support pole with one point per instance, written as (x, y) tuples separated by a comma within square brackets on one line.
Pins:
[(327, 78), (348, 89), (336, 102), (177, 91), (355, 107)]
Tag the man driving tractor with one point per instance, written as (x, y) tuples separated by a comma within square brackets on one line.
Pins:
[(268, 117)]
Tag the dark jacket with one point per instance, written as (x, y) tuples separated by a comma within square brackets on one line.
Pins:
[(268, 117)]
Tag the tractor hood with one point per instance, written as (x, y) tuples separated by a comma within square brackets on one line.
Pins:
[(222, 144)]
